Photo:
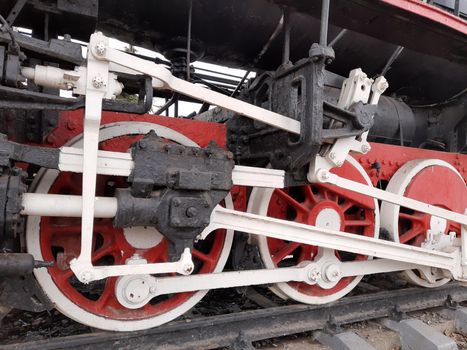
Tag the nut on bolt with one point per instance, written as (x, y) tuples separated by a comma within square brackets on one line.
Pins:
[(314, 275), (86, 276), (191, 212), (187, 269), (100, 48), (98, 82), (332, 273), (323, 175)]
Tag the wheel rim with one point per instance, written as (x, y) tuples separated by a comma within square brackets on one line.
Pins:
[(58, 239), (327, 206), (431, 181)]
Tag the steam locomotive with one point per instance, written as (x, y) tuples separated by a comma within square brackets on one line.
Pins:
[(339, 153)]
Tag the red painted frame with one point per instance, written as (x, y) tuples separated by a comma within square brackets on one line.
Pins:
[(430, 12), (389, 157)]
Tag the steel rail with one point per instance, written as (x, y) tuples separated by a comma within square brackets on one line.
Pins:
[(247, 326)]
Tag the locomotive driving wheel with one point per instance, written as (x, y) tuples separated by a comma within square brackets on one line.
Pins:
[(58, 239), (320, 205), (430, 181)]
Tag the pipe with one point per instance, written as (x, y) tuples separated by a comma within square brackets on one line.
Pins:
[(286, 47), (16, 264), (40, 204), (338, 37), (323, 34)]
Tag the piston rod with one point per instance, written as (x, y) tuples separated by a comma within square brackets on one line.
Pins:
[(39, 204)]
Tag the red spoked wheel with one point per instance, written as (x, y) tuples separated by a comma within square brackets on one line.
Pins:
[(430, 181), (58, 239), (320, 205)]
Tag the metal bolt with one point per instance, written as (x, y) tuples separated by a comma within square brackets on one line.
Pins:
[(188, 269), (314, 275), (324, 175), (98, 82), (86, 276), (365, 148), (332, 155), (152, 290), (176, 202), (100, 48), (332, 273), (339, 163), (191, 211)]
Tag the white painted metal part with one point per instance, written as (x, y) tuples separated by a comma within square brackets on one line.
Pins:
[(82, 265), (308, 272), (168, 81), (356, 88), (326, 177), (311, 235)]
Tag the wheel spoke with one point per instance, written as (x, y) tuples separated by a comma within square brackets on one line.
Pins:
[(309, 194), (65, 230), (330, 195), (107, 294), (410, 234), (104, 229), (290, 200), (346, 205), (101, 252), (351, 223), (201, 256), (284, 251), (65, 274), (411, 217)]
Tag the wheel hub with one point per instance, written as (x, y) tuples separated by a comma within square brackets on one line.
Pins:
[(134, 291), (142, 237), (328, 218)]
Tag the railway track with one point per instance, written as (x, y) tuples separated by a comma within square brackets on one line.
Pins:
[(240, 329)]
